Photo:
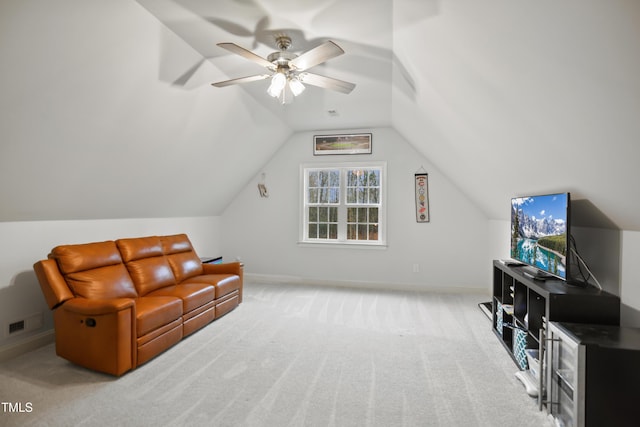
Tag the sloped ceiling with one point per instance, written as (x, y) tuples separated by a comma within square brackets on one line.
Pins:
[(519, 97), (107, 111)]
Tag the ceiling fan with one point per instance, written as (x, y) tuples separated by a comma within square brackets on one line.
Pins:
[(288, 71)]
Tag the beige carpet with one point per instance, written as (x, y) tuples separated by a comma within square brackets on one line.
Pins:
[(296, 356)]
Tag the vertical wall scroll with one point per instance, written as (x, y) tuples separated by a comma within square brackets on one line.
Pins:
[(422, 197)]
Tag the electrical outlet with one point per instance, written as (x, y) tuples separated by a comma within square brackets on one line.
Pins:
[(416, 268)]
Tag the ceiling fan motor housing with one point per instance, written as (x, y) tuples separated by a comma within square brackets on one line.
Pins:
[(281, 59)]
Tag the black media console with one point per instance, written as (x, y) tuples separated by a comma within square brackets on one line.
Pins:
[(521, 303), (523, 307)]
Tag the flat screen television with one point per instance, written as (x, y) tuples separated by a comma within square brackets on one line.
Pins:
[(540, 233)]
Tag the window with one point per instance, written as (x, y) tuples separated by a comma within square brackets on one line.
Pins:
[(343, 203)]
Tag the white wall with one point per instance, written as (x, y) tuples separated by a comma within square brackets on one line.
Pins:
[(95, 126), (24, 243), (450, 250), (499, 237)]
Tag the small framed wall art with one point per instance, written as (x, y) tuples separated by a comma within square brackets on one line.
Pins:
[(422, 197), (356, 143)]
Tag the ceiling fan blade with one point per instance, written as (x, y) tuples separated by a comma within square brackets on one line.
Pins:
[(316, 56), (234, 48), (327, 82), (241, 80)]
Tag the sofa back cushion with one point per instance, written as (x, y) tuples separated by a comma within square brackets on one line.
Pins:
[(94, 270), (139, 247), (183, 259), (147, 265)]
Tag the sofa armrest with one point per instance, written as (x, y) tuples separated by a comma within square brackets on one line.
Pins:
[(97, 334), (224, 268), (54, 287), (236, 268), (93, 307)]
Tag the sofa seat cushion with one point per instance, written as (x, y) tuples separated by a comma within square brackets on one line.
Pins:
[(224, 283), (155, 312), (193, 295)]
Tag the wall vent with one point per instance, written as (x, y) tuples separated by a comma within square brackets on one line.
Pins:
[(29, 323), (16, 327)]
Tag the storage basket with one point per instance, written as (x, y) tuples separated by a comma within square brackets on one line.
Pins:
[(499, 323), (519, 347)]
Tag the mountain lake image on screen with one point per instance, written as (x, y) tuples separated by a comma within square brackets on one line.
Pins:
[(539, 227)]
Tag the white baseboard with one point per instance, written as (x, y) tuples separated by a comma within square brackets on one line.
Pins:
[(277, 279), (29, 344)]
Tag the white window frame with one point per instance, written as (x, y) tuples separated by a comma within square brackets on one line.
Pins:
[(342, 205)]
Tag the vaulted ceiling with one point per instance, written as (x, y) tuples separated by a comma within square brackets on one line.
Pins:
[(363, 28), (107, 111)]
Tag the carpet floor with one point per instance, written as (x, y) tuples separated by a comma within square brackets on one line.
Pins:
[(296, 356)]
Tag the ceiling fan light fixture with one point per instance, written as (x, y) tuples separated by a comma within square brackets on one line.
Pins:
[(288, 71), (296, 86), (278, 83)]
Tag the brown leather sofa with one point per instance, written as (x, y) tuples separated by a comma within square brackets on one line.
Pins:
[(117, 304)]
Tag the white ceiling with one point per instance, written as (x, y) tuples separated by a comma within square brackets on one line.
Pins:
[(363, 28), (107, 112)]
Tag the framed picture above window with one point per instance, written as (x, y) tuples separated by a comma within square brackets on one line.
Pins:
[(357, 143)]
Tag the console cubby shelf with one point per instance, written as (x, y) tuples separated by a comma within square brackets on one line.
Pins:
[(525, 304)]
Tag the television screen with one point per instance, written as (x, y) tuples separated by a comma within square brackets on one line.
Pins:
[(539, 229)]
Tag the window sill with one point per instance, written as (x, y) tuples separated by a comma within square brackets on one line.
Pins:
[(366, 246)]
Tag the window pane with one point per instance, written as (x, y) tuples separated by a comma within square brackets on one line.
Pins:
[(358, 178), (374, 195), (313, 195), (313, 231), (334, 178), (352, 231), (373, 215), (313, 214), (324, 195), (351, 195), (322, 231), (333, 214), (313, 179), (352, 214), (373, 232), (334, 195), (333, 231), (323, 177), (352, 178), (362, 195), (362, 178), (362, 232), (323, 214), (374, 178), (362, 214)]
